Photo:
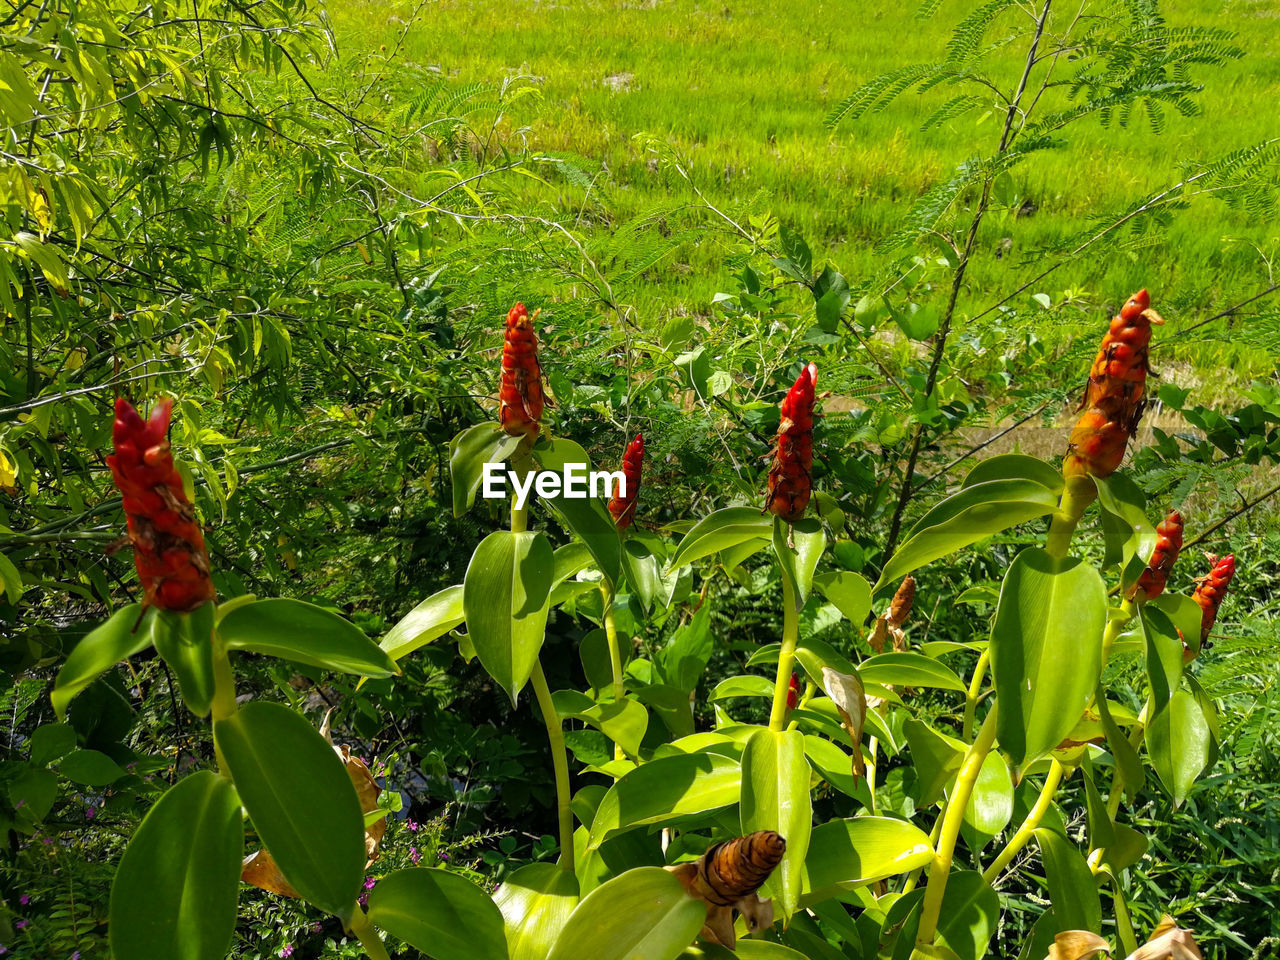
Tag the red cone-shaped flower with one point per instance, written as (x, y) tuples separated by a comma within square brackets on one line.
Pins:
[(623, 507), (521, 389), (1168, 542), (1211, 591), (790, 484), (168, 544), (1113, 399)]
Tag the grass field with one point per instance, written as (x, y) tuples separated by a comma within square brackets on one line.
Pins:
[(742, 88)]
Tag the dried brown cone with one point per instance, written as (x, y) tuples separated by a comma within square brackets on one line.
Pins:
[(900, 608), (726, 879)]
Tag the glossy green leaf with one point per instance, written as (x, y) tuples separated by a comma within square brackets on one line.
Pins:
[(300, 799), (505, 594), (640, 567), (970, 914), (1046, 650), (185, 641), (535, 901), (936, 758), (644, 914), (721, 530), (850, 593), (428, 621), (443, 914), (798, 563), (102, 648), (91, 768), (1016, 466), (1072, 888), (1164, 656), (664, 790), (748, 686), (469, 451), (1127, 533), (1180, 744), (624, 722), (847, 854), (1183, 612), (972, 514), (51, 741), (685, 656), (909, 670), (835, 766), (305, 633), (814, 654), (990, 805), (1123, 753), (10, 580), (176, 888), (775, 796), (587, 517)]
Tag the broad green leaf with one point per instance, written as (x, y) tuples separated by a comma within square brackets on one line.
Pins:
[(32, 793), (641, 570), (936, 758), (51, 741), (745, 950), (300, 799), (990, 805), (815, 654), (644, 914), (909, 670), (1016, 466), (428, 621), (775, 796), (1123, 753), (302, 632), (721, 530), (102, 648), (664, 790), (797, 565), (1180, 744), (1072, 888), (1101, 830), (850, 593), (1127, 532), (11, 580), (1183, 612), (847, 854), (90, 767), (624, 722), (443, 914), (185, 641), (964, 518), (1164, 656), (747, 686), (587, 517), (535, 902), (685, 656), (176, 888), (836, 767), (970, 914), (469, 451), (1127, 847), (505, 596), (1046, 651)]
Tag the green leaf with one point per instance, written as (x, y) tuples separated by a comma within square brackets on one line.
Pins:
[(535, 902), (1046, 650), (1122, 752), (624, 722), (32, 792), (1127, 532), (908, 670), (936, 758), (743, 686), (90, 767), (1180, 744), (797, 565), (1183, 612), (300, 799), (970, 914), (685, 656), (102, 648), (175, 891), (11, 580), (428, 621), (644, 914), (990, 805), (964, 518), (588, 517), (443, 914), (721, 530), (850, 593), (847, 854), (51, 741), (185, 641), (302, 632), (505, 595), (469, 451), (664, 790), (836, 767), (775, 796), (1164, 656), (1016, 466), (1072, 888)]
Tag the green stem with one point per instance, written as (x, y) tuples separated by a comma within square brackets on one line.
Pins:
[(1034, 816), (913, 878), (363, 928), (786, 656), (1078, 493), (1116, 626), (615, 652), (975, 688), (952, 818), (1124, 924), (559, 763), (872, 746)]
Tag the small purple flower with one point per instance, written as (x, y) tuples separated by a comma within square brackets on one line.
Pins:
[(76, 955), (46, 841), (369, 882), (363, 900), (3, 949), (286, 950), (413, 827), (443, 856), (24, 899), (20, 924), (90, 812), (20, 804), (414, 855), (317, 927)]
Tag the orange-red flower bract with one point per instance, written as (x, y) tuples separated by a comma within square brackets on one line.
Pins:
[(1210, 592), (168, 545), (789, 477), (623, 508), (521, 389), (1151, 581), (1113, 400)]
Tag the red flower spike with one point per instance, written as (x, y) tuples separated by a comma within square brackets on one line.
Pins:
[(1211, 591), (168, 545), (1113, 400), (1152, 580), (790, 485), (793, 692), (521, 391), (623, 508)]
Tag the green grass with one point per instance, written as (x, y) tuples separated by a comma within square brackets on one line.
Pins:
[(742, 89)]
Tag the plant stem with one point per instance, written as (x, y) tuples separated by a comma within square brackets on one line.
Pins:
[(559, 763), (975, 688), (1078, 493), (1124, 924), (615, 653), (872, 746), (363, 928), (786, 656), (952, 818), (224, 683), (914, 876), (1019, 840)]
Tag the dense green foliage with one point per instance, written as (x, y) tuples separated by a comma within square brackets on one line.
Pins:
[(307, 226)]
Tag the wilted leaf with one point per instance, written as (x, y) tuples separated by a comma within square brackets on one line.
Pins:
[(1077, 945), (845, 691), (1168, 942)]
